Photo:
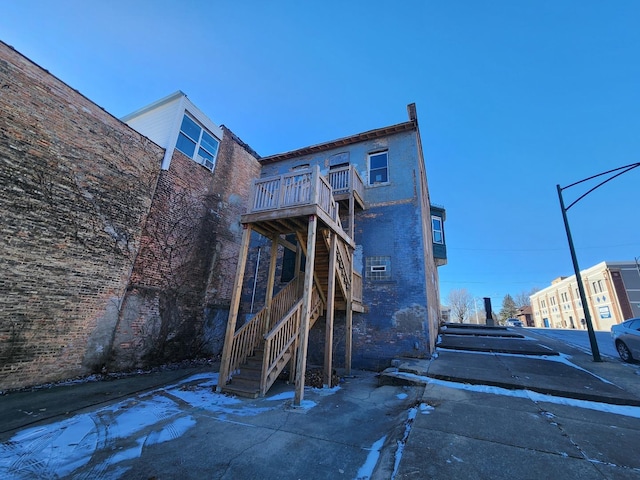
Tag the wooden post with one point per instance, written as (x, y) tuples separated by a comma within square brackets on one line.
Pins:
[(306, 310), (348, 343), (293, 362), (270, 283), (223, 375), (352, 214), (331, 289)]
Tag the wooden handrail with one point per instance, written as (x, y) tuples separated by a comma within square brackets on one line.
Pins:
[(250, 335), (356, 287), (283, 336)]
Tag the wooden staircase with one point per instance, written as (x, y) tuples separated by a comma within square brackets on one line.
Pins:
[(300, 203), (270, 355)]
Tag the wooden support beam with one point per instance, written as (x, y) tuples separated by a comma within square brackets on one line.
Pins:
[(331, 290), (270, 283), (352, 214), (349, 322), (315, 276), (223, 375), (306, 312)]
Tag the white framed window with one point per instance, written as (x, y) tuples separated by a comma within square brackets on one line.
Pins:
[(436, 227), (378, 164), (196, 142), (378, 268)]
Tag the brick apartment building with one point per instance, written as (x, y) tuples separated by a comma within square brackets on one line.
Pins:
[(121, 237)]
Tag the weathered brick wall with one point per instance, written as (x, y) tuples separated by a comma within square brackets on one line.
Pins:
[(177, 305), (76, 186)]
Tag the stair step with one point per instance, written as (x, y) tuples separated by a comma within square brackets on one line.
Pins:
[(252, 362), (247, 371), (245, 382), (242, 391)]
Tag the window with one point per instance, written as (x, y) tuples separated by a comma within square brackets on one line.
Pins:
[(197, 143), (378, 268), (378, 168), (436, 226)]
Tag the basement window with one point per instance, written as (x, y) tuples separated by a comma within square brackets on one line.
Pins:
[(378, 268), (197, 143)]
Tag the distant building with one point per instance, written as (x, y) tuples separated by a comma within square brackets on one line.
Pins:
[(612, 290), (525, 316)]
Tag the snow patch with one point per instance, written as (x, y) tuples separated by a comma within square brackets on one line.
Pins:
[(366, 470), (625, 410)]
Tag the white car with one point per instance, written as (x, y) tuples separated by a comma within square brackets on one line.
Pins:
[(626, 337), (514, 322)]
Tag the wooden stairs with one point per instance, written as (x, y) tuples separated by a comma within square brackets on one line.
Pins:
[(273, 352)]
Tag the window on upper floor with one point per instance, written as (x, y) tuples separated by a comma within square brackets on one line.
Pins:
[(436, 227), (378, 268), (196, 142), (378, 165)]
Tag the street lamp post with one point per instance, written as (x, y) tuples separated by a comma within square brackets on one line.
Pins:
[(583, 298)]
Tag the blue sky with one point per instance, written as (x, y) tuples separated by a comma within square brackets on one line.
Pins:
[(513, 98)]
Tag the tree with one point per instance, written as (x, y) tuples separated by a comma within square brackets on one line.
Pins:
[(509, 308), (461, 304), (522, 299)]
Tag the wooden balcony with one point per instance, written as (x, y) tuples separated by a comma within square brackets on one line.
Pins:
[(282, 204), (346, 182)]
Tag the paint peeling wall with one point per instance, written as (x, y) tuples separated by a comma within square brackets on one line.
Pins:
[(402, 311)]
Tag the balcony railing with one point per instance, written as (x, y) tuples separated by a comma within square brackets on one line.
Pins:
[(302, 187), (346, 180)]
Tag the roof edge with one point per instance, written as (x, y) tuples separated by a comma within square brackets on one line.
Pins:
[(151, 106), (359, 137)]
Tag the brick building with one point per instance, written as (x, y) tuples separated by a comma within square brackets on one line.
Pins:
[(612, 291), (118, 249), (352, 220), (177, 302), (121, 237), (77, 186)]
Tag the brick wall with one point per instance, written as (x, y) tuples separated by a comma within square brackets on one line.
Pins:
[(177, 304), (76, 187)]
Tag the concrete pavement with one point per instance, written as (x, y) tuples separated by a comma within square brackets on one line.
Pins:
[(504, 415), (488, 406)]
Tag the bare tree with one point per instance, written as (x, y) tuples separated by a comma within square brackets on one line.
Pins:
[(461, 303), (522, 299)]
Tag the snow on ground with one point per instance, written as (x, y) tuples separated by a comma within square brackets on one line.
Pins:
[(560, 358), (628, 411), (61, 448), (366, 470)]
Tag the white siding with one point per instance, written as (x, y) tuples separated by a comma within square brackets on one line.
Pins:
[(158, 124)]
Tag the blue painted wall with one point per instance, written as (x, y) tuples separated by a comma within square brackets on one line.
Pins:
[(397, 319)]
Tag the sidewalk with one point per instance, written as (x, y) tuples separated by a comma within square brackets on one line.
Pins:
[(499, 414)]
